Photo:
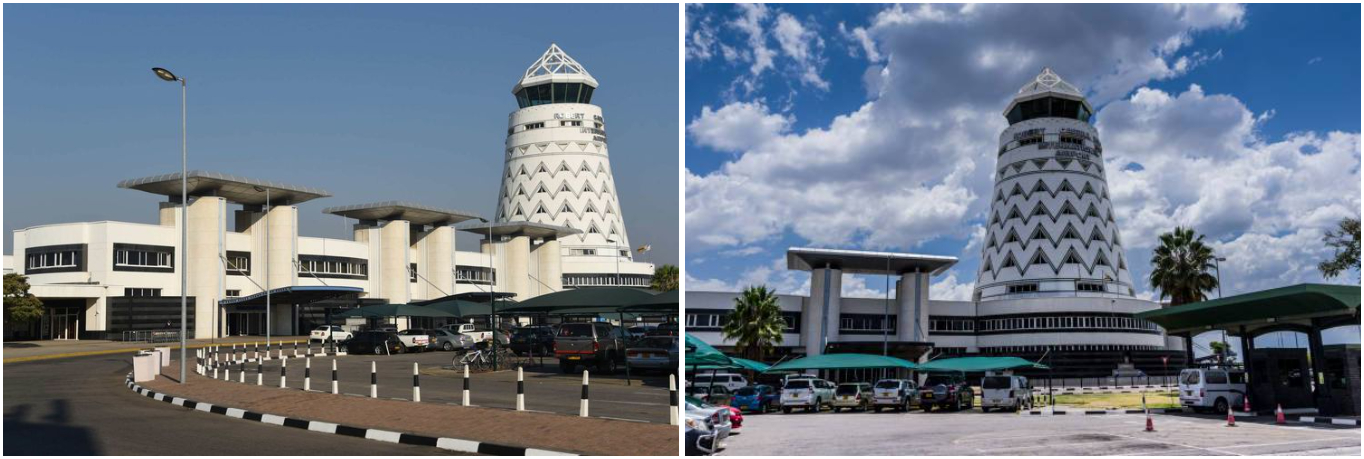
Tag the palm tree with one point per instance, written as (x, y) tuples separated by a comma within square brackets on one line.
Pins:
[(665, 278), (756, 324), (1180, 267)]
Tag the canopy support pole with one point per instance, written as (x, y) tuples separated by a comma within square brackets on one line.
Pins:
[(627, 345)]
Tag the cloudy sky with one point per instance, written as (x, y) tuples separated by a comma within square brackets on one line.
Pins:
[(370, 102), (874, 127)]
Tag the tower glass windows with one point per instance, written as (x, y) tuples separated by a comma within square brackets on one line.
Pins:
[(1055, 107), (554, 93)]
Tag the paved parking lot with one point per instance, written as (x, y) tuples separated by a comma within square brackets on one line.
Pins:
[(1001, 434), (645, 399)]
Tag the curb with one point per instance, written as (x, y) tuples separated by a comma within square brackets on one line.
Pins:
[(1323, 420), (451, 444), (1098, 412)]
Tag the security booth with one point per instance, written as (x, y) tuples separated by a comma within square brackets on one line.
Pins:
[(1287, 377)]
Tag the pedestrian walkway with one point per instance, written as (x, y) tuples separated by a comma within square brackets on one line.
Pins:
[(27, 351)]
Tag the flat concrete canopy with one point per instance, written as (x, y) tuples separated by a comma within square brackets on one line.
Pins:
[(529, 229), (866, 262), (1265, 308), (240, 190), (296, 294), (415, 214)]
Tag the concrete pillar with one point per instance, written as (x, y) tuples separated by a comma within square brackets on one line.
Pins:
[(206, 226), (283, 234), (393, 261), (1321, 396), (517, 275), (437, 262), (550, 270), (168, 213), (826, 287), (912, 307)]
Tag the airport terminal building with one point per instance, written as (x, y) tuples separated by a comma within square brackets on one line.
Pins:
[(558, 225), (1053, 282)]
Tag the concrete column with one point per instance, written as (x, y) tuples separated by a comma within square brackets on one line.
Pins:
[(517, 254), (206, 227), (283, 234), (393, 260), (550, 272), (440, 244), (826, 287), (912, 307), (1321, 396), (168, 213)]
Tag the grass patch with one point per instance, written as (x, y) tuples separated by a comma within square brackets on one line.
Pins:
[(1160, 399)]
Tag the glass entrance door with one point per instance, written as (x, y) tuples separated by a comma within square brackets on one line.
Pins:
[(245, 323), (65, 323)]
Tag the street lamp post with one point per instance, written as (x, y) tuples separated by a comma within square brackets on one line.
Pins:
[(615, 243), (1218, 269), (184, 213), (267, 265), (1225, 348)]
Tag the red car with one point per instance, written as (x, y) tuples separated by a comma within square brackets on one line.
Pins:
[(736, 416)]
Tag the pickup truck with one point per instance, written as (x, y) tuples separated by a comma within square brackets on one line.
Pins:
[(479, 334), (593, 343), (414, 340)]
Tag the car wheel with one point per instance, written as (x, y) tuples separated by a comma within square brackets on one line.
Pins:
[(926, 408), (378, 349), (1220, 405), (877, 409), (448, 346), (786, 410), (838, 410), (608, 365), (566, 367), (985, 409)]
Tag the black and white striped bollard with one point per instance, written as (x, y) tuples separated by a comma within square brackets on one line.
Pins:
[(260, 373), (283, 371), (466, 385), (582, 406), (520, 391), (241, 372), (416, 384), (373, 379), (213, 362), (307, 374), (295, 348), (255, 350), (672, 400), (334, 387)]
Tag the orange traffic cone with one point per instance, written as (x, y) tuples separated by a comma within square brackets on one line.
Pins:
[(1245, 403), (1150, 425), (1278, 414), (1231, 420)]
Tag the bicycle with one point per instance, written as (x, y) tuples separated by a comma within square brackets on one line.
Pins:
[(481, 359)]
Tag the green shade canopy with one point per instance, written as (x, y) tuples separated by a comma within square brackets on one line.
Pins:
[(841, 362), (738, 364), (964, 364), (662, 302), (1302, 301), (699, 353), (460, 308), (609, 297), (394, 310)]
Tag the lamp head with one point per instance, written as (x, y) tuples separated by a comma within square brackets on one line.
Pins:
[(165, 74)]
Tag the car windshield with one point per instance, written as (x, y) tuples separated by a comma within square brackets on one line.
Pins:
[(660, 343), (888, 384), (572, 330), (746, 391), (798, 384), (847, 389), (995, 382), (1190, 378), (936, 380)]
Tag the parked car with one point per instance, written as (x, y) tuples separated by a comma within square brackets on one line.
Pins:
[(653, 353), (760, 398), (447, 340), (854, 396), (1202, 389), (416, 340), (337, 333), (896, 394), (729, 380), (639, 331), (700, 437), (374, 342), (946, 390), (1009, 392), (810, 394), (713, 394), (665, 329), (538, 340), (589, 344), (716, 416), (477, 332)]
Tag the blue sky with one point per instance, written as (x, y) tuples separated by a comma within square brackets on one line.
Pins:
[(871, 127), (372, 103)]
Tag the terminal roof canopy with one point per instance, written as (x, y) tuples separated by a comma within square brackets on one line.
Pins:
[(974, 364), (529, 229), (865, 262), (415, 214), (842, 362), (1263, 308), (236, 189)]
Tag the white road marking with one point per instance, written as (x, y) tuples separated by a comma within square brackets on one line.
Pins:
[(620, 419), (1289, 442)]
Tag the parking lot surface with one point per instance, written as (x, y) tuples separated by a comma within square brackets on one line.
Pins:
[(1007, 434), (644, 399)]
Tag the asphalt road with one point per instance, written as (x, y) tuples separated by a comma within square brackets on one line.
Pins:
[(1005, 434), (80, 406), (644, 399)]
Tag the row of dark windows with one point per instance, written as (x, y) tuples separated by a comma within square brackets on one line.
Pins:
[(554, 93), (1066, 322), (1048, 107), (606, 280), (718, 319)]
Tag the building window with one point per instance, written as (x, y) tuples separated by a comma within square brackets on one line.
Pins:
[(1089, 287), (233, 293), (39, 259), (1022, 288), (333, 267), (141, 291), (474, 275), (133, 257), (571, 123), (584, 251), (238, 263)]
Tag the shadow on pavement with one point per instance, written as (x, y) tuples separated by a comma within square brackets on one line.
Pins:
[(49, 435)]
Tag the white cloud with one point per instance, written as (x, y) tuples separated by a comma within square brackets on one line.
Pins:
[(801, 45), (701, 39), (948, 288), (738, 126)]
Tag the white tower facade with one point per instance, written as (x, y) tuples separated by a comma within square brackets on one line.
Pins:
[(1051, 231), (558, 171)]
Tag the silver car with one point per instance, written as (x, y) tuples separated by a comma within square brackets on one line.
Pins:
[(446, 340), (716, 417)]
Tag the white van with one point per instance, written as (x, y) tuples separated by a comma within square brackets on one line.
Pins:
[(1217, 389), (731, 381), (1011, 392)]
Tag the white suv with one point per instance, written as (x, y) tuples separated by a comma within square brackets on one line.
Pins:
[(731, 381), (810, 394), (338, 334), (1011, 392), (1215, 388)]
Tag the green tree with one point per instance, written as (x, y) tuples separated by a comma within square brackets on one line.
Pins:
[(756, 324), (1346, 244), (665, 278), (20, 306), (1181, 267)]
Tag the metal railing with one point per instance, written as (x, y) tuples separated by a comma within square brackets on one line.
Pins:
[(151, 336)]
